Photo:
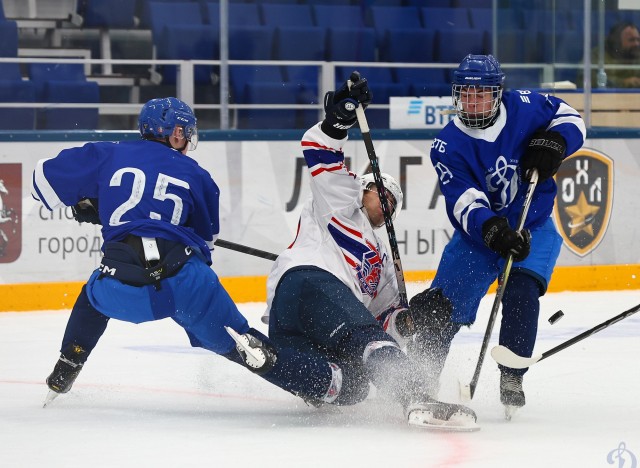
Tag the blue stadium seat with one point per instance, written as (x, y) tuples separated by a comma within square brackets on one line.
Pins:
[(473, 3), (168, 14), (302, 43), (269, 93), (143, 10), (516, 47), (109, 14), (408, 45), (64, 83), (392, 17), (19, 118), (351, 45), (251, 42), (431, 3), (452, 45), (440, 18), (241, 75), (287, 15), (189, 42), (543, 20), (339, 16), (240, 14), (482, 18), (8, 39)]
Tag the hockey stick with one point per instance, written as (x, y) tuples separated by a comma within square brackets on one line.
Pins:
[(244, 249), (388, 222), (467, 391), (508, 358)]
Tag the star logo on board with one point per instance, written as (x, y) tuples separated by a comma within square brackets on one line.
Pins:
[(585, 200), (582, 215)]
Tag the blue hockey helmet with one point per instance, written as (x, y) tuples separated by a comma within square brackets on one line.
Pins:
[(158, 118), (478, 75)]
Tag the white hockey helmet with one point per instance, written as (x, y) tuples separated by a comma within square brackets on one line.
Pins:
[(392, 187)]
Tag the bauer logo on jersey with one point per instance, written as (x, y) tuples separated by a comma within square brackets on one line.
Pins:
[(10, 212), (585, 198)]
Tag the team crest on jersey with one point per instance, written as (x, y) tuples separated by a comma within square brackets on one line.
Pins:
[(585, 198), (369, 272), (10, 212)]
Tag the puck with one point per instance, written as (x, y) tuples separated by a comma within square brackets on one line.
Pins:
[(555, 317)]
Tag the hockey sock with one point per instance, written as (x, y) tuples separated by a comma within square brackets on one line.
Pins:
[(520, 310), (84, 328)]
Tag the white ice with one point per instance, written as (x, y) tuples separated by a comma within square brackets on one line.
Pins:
[(147, 399)]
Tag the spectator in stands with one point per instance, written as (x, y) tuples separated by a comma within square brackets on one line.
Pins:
[(622, 47)]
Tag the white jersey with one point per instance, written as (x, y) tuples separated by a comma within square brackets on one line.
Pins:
[(333, 232)]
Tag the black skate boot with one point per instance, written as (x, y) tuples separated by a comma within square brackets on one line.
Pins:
[(511, 393), (64, 373)]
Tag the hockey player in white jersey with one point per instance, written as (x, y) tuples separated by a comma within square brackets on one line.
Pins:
[(333, 292), (482, 159)]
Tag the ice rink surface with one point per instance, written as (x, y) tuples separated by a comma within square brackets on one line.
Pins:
[(147, 399)]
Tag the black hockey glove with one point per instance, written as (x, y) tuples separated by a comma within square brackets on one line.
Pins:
[(545, 153), (500, 238), (86, 211), (340, 106), (428, 310)]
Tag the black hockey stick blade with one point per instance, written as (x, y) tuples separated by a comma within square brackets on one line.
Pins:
[(508, 358), (244, 249)]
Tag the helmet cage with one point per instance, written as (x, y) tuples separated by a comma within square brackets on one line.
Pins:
[(480, 119), (478, 74)]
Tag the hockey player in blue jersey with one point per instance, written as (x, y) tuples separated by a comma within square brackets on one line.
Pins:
[(481, 158), (159, 212), (333, 293)]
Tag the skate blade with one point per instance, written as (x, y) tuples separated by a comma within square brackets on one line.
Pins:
[(50, 397), (457, 423), (510, 411)]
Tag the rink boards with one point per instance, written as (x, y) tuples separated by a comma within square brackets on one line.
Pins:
[(46, 256)]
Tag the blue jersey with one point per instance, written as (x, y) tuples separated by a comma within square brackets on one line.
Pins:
[(144, 188), (479, 169)]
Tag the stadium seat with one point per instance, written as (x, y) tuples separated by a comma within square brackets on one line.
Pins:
[(441, 18), (302, 43), (393, 17), (277, 15), (108, 14), (452, 45), (351, 45), (64, 83), (473, 3), (8, 39), (482, 18), (240, 14), (251, 42), (17, 90), (241, 75), (339, 16), (409, 45), (516, 47), (431, 3), (189, 42), (169, 14), (269, 93)]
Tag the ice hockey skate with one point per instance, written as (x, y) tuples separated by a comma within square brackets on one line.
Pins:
[(511, 394), (62, 378), (439, 416), (258, 357)]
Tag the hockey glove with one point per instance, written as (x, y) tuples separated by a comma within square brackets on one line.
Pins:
[(340, 106), (545, 153), (500, 238), (428, 310), (86, 211)]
